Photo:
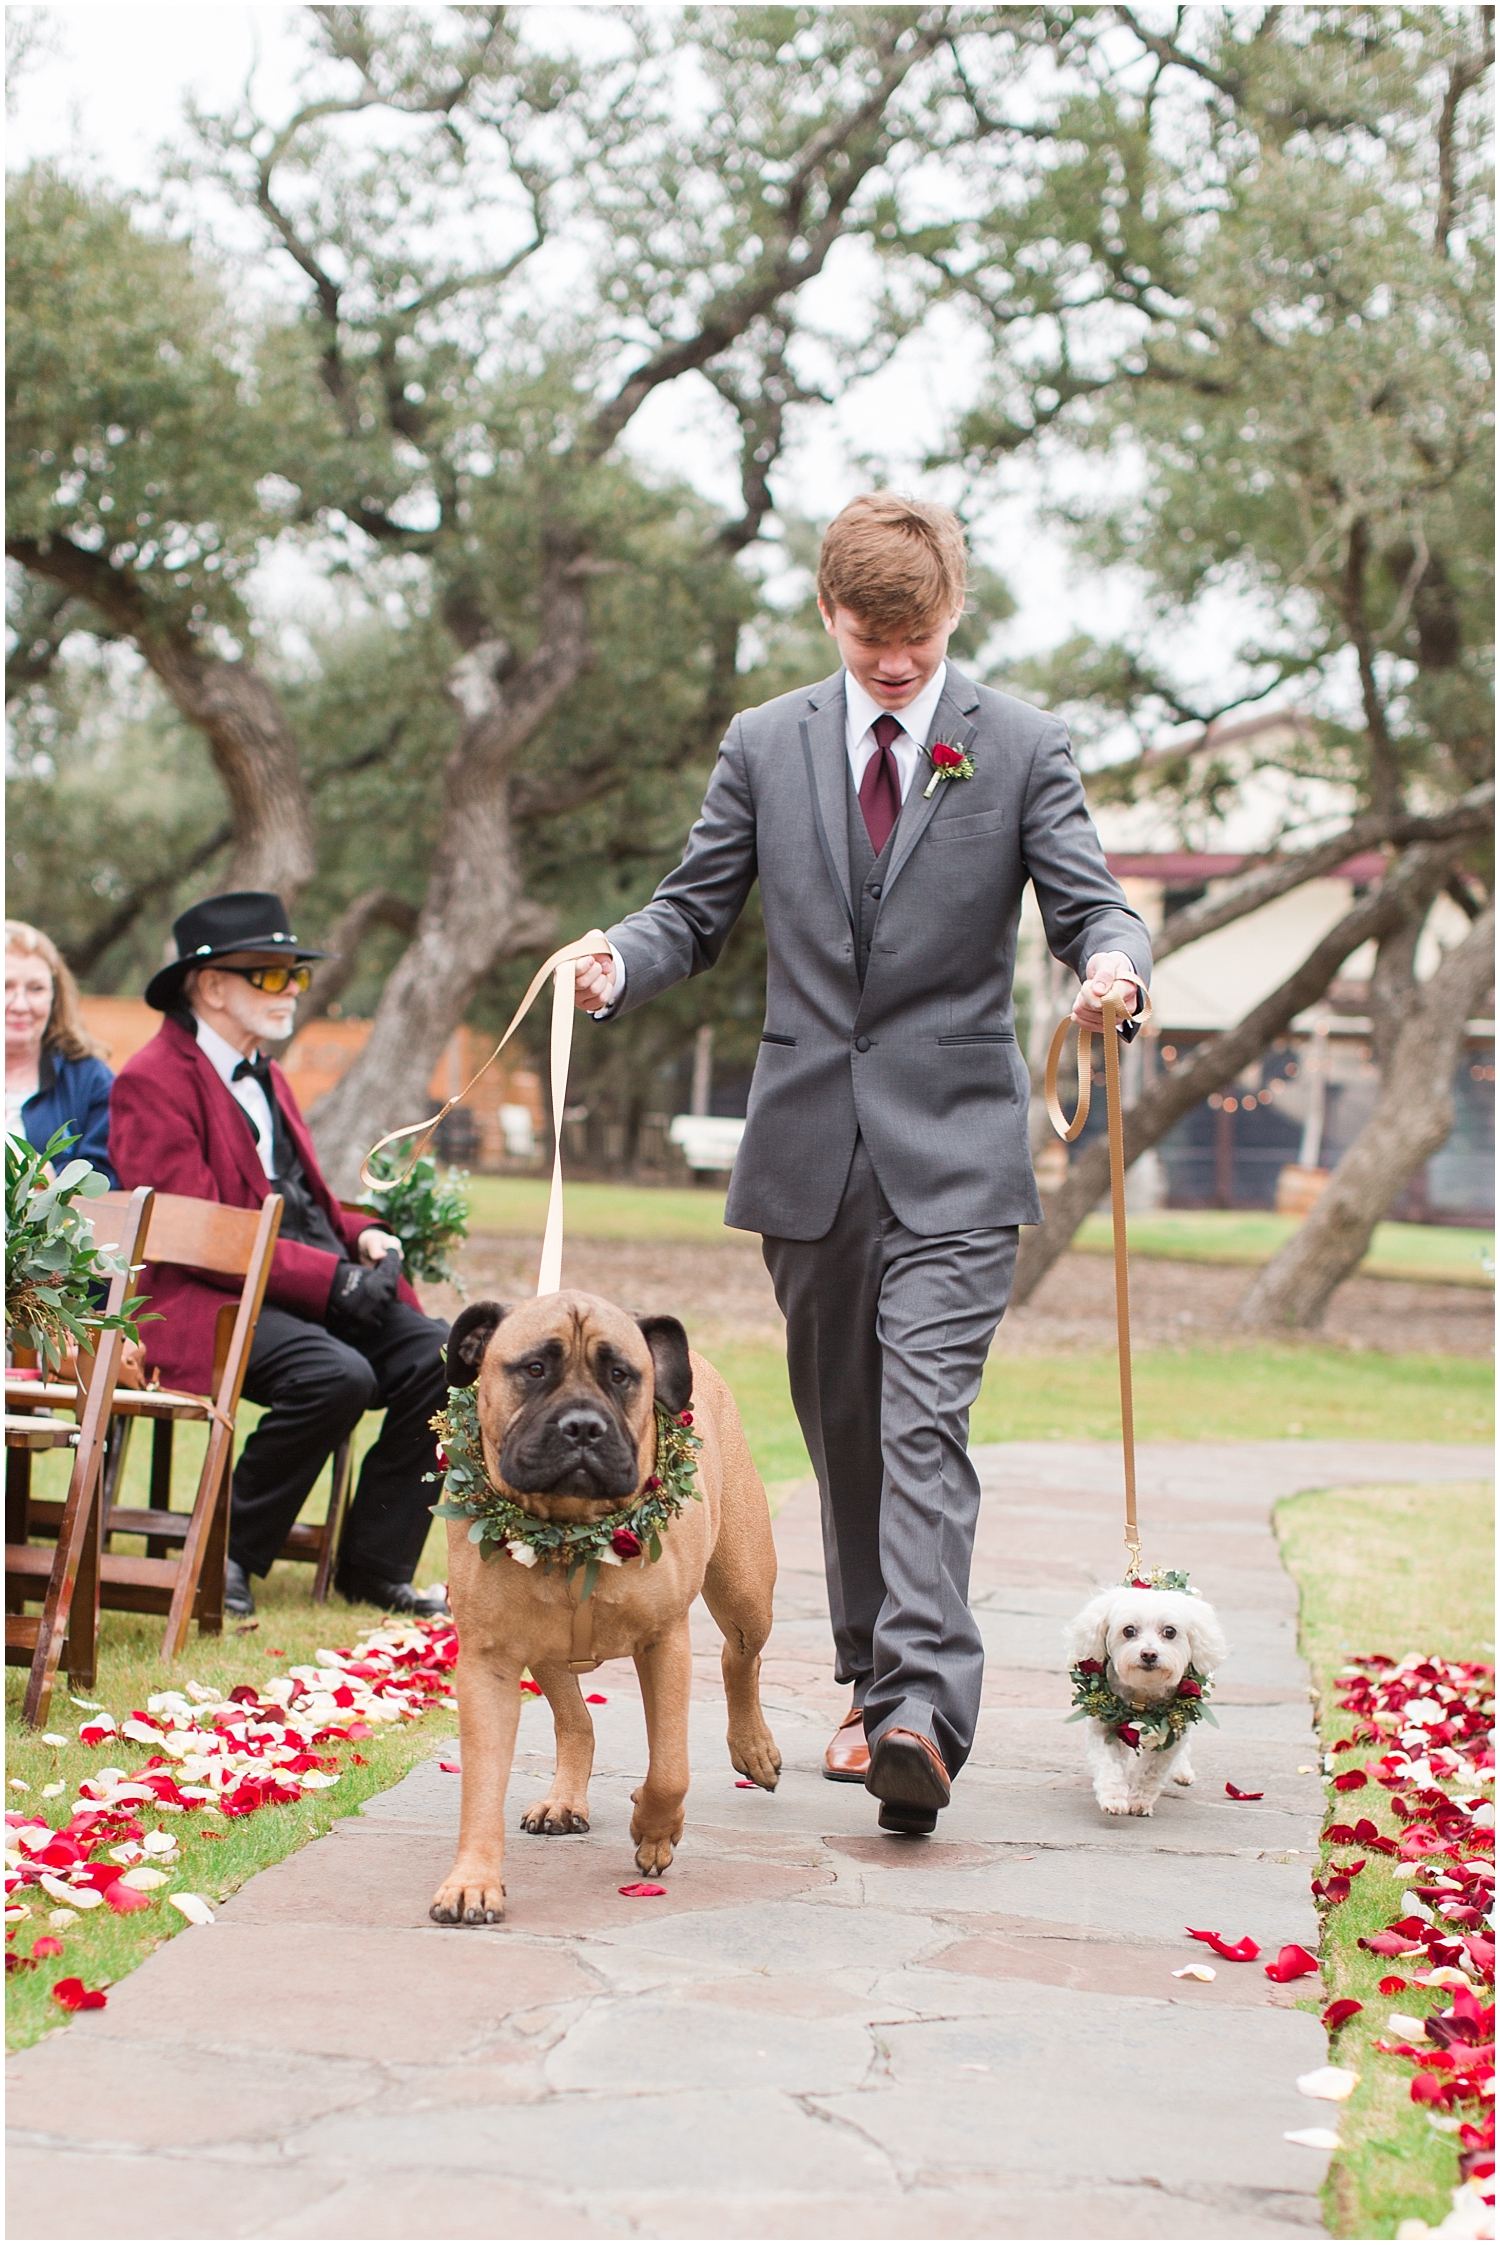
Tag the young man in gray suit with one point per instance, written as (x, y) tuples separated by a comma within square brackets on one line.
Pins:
[(893, 815)]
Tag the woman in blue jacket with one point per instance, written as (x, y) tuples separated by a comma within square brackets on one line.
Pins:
[(53, 1071)]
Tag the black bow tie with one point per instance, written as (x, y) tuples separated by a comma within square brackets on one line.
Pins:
[(259, 1068)]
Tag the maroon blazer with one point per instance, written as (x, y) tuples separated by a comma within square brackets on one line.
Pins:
[(174, 1124)]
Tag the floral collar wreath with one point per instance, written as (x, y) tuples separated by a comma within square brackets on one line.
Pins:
[(499, 1524), (948, 763), (1097, 1698)]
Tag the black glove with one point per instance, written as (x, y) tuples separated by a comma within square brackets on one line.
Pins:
[(362, 1294)]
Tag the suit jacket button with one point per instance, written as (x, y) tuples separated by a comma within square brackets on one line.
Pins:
[(861, 1044), (874, 888)]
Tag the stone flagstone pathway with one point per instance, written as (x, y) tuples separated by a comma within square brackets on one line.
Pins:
[(819, 2032)]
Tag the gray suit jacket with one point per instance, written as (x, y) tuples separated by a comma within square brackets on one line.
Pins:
[(921, 1061)]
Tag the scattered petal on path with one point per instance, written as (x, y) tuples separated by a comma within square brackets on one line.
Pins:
[(74, 1996), (1293, 1963), (641, 1887), (1194, 1972), (1244, 1951), (1314, 2139), (1236, 1795)]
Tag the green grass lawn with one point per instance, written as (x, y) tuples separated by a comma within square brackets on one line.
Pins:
[(516, 1207), (1443, 1252), (1200, 1394), (1393, 1570)]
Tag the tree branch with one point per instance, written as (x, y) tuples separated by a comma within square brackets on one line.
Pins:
[(84, 955), (1473, 814), (1465, 74)]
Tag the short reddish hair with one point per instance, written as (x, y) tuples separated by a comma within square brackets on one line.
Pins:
[(899, 565)]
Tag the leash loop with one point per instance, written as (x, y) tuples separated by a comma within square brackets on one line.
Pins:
[(1068, 1132), (549, 1277)]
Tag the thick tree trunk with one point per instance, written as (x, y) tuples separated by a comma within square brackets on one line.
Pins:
[(476, 910), (1177, 1092), (1412, 1119), (258, 758), (254, 749)]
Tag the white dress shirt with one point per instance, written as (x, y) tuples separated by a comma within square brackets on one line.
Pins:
[(860, 713), (223, 1059)]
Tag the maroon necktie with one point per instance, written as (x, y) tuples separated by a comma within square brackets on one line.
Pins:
[(880, 789)]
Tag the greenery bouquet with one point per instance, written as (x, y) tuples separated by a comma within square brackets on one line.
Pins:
[(53, 1271), (429, 1215)]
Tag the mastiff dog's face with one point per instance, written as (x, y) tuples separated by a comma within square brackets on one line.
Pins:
[(566, 1388)]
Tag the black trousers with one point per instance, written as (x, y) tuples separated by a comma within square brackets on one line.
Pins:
[(317, 1390)]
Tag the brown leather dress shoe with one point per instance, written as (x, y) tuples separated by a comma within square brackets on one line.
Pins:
[(847, 1760), (909, 1777)]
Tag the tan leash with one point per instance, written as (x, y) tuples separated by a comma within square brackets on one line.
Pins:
[(1068, 1131), (549, 1277)]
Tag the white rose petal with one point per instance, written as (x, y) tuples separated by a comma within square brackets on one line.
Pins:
[(55, 1738), (313, 1780), (50, 1792), (193, 1908), (15, 1911), (1334, 2083), (143, 1878), (1313, 2139), (60, 1920), (160, 1843), (19, 1785), (1409, 2029), (1195, 1972)]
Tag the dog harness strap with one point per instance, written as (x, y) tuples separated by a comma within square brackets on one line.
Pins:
[(1068, 1132), (581, 1652)]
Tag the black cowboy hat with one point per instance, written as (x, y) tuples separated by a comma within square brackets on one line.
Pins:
[(245, 920)]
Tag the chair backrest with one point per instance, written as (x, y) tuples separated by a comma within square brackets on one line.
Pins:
[(203, 1233)]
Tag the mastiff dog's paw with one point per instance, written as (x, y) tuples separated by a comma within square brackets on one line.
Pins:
[(552, 1819), (468, 1901)]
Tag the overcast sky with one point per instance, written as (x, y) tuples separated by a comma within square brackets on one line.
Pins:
[(103, 92)]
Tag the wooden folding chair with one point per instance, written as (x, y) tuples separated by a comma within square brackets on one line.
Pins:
[(233, 1243), (67, 1577)]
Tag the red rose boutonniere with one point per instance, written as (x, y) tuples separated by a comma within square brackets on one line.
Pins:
[(947, 764)]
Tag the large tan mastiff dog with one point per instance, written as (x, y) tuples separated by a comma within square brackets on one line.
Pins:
[(566, 1389)]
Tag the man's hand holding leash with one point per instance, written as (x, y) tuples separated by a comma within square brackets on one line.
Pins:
[(1109, 975)]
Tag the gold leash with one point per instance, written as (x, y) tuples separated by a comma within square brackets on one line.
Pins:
[(1068, 1131)]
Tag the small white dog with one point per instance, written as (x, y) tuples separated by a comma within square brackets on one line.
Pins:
[(1143, 1642)]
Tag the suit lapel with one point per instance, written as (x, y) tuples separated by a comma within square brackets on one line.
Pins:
[(951, 722), (826, 755)]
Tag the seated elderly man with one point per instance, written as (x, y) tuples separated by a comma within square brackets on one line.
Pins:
[(199, 1111)]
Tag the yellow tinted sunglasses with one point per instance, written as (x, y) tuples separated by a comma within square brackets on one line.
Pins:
[(273, 980)]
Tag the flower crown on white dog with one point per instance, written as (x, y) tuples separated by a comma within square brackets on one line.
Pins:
[(1160, 1578)]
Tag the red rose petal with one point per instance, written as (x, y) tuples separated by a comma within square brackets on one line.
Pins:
[(1350, 1782), (1337, 2013), (454, 1769), (744, 1783), (123, 1899), (1238, 1952), (1392, 1984), (1293, 1963), (597, 1699), (642, 1887), (1236, 1795), (74, 1996), (46, 1945)]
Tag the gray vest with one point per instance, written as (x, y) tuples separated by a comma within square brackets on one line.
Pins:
[(866, 875)]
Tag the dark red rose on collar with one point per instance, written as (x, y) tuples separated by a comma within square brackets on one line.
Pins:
[(1091, 1668), (1187, 1689), (1127, 1734), (626, 1542)]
